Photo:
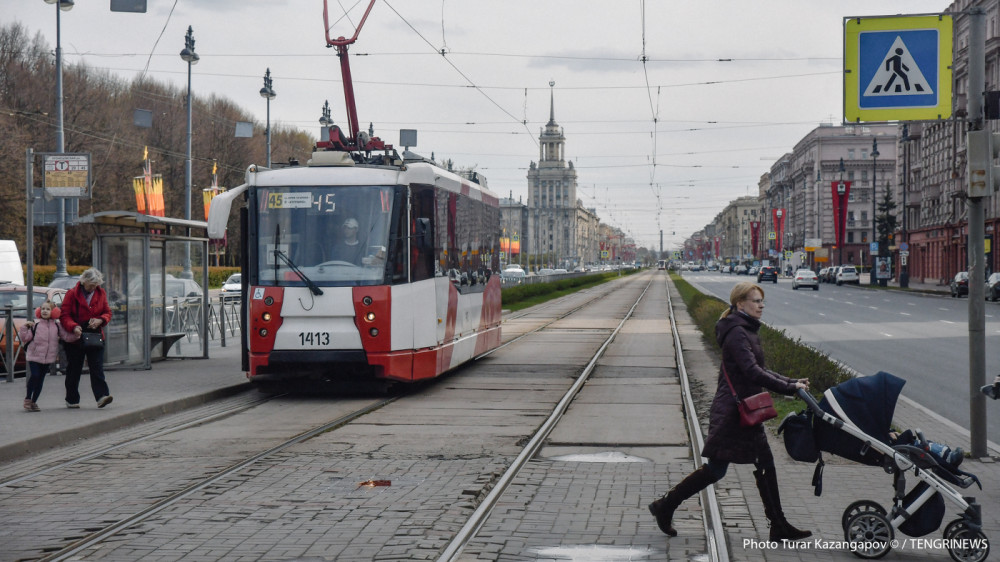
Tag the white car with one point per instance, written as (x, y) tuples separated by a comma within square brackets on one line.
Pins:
[(848, 274), (805, 278), (231, 288)]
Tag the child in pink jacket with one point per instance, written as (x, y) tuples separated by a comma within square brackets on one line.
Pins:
[(44, 336)]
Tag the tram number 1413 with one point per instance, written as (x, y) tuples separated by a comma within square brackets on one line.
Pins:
[(314, 338)]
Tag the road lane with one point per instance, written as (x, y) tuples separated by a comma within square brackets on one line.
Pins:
[(921, 338)]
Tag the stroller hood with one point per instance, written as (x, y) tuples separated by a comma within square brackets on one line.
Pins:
[(868, 403)]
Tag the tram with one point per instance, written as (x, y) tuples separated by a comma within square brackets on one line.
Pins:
[(363, 263)]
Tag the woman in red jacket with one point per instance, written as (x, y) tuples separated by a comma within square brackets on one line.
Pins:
[(85, 309)]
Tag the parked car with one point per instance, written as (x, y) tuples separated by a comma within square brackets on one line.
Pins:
[(231, 288), (753, 270), (16, 296), (67, 282), (741, 269), (767, 273), (960, 284), (805, 278), (822, 274), (848, 274), (512, 276), (993, 287)]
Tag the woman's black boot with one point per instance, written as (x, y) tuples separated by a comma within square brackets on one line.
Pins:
[(663, 508), (781, 529)]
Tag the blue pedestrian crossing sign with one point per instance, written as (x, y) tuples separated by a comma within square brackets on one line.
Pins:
[(897, 68)]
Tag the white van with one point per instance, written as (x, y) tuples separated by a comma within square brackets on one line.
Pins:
[(11, 270)]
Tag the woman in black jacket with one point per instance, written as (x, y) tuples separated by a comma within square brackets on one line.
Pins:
[(728, 441)]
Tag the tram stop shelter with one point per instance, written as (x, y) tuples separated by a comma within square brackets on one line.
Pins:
[(159, 311)]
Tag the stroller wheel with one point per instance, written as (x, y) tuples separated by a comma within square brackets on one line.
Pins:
[(872, 532), (973, 546), (860, 506)]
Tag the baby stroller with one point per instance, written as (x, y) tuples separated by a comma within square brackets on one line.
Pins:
[(855, 424)]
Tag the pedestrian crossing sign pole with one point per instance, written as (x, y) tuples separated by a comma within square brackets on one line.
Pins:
[(897, 68)]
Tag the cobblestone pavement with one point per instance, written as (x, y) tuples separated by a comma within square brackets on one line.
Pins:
[(578, 499)]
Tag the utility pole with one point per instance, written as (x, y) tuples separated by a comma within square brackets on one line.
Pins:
[(977, 189)]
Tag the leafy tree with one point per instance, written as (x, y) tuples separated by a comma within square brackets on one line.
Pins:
[(885, 219), (97, 110)]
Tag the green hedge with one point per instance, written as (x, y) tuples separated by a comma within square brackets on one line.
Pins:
[(216, 275), (519, 293), (785, 355)]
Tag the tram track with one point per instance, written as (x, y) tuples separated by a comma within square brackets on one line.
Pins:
[(107, 449), (715, 535), (95, 536), (110, 530), (82, 544)]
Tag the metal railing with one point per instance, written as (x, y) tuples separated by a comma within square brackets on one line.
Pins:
[(8, 334), (223, 323)]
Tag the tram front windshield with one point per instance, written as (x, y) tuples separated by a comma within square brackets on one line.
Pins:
[(334, 235)]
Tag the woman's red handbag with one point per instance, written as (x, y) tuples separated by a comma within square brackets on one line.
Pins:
[(755, 409)]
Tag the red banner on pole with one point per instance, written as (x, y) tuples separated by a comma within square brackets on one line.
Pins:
[(840, 197), (754, 236), (778, 217)]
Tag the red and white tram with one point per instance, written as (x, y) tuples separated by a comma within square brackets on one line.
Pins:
[(363, 263)]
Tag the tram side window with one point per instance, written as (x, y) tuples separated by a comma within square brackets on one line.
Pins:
[(467, 233)]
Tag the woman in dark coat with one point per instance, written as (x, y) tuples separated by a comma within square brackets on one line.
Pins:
[(728, 441)]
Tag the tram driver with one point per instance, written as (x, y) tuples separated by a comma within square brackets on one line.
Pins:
[(349, 248)]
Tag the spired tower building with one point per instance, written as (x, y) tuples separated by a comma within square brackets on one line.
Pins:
[(552, 200)]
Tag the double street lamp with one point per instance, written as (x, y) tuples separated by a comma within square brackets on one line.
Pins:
[(62, 6), (325, 120), (267, 92), (191, 58)]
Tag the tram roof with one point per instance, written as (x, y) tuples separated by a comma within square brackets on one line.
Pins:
[(414, 172)]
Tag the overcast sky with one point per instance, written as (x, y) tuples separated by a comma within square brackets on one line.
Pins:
[(727, 86)]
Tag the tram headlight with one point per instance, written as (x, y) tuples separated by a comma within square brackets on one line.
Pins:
[(263, 332), (373, 332), (266, 317), (367, 301), (370, 316)]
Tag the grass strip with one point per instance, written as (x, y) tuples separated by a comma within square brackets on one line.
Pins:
[(785, 355), (525, 296)]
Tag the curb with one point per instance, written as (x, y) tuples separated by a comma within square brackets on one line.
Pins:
[(40, 443)]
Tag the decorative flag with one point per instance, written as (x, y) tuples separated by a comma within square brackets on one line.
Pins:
[(209, 193)]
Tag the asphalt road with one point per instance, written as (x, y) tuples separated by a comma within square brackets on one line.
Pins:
[(921, 338)]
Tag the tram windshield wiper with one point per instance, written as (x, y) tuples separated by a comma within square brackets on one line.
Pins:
[(279, 254)]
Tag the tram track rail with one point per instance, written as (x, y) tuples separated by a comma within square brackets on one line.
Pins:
[(104, 450), (714, 532), (97, 537)]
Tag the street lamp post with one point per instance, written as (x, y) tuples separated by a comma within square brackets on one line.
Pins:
[(267, 92), (191, 58), (874, 239), (841, 191), (61, 6)]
